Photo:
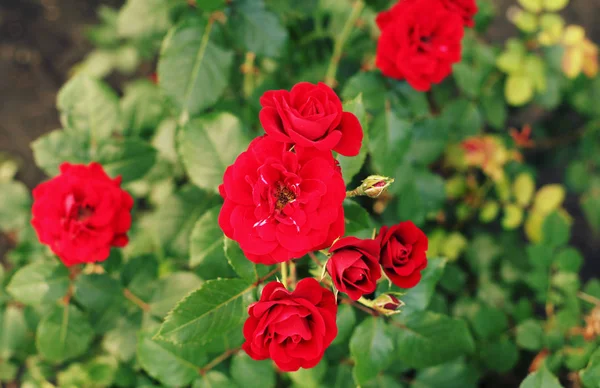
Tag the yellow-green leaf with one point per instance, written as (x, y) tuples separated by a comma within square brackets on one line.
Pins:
[(518, 89), (523, 189), (532, 5), (533, 226), (513, 217), (555, 5), (548, 198), (489, 211), (526, 21)]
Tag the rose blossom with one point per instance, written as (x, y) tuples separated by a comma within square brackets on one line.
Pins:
[(354, 266), (403, 257), (81, 213), (311, 116), (282, 202), (292, 328), (419, 42)]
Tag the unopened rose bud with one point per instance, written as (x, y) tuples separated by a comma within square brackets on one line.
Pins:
[(387, 304), (373, 186)]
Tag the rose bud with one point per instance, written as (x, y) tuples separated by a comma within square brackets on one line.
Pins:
[(354, 266), (293, 328), (387, 304), (311, 116), (403, 257), (82, 213), (374, 185)]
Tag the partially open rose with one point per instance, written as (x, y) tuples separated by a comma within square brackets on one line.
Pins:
[(311, 116), (292, 328)]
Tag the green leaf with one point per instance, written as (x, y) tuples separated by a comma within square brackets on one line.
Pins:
[(257, 29), (555, 5), (214, 309), (102, 297), (208, 145), (12, 332), (418, 298), (523, 189), (39, 283), (532, 5), (556, 230), (309, 378), (351, 165), (371, 347), (590, 376), (530, 335), (346, 320), (129, 158), (89, 106), (214, 379), (494, 107), (59, 146), (206, 246), (172, 365), (500, 356), (170, 290), (8, 371), (241, 265), (489, 322), (357, 219), (210, 5), (175, 218), (142, 18), (463, 119), (370, 85), (513, 216), (569, 260), (427, 339), (429, 140), (192, 71), (468, 78), (542, 378), (390, 138), (143, 106), (590, 204), (455, 374), (63, 334), (121, 342), (249, 373), (15, 205)]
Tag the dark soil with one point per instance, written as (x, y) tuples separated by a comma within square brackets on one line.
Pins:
[(40, 40)]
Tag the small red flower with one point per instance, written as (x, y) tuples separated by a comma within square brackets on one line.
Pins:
[(281, 203), (81, 213), (311, 116), (419, 42), (292, 328), (467, 9), (354, 266), (403, 247)]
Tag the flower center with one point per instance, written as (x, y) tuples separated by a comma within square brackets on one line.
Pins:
[(84, 212), (283, 196)]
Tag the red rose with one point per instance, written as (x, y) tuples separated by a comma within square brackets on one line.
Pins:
[(465, 8), (310, 116), (282, 203), (403, 248), (292, 328), (419, 42), (81, 213), (354, 266)]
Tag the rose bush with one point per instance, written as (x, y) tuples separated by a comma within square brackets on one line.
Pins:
[(272, 199)]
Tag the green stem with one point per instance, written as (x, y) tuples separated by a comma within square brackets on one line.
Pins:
[(338, 45), (588, 298), (284, 273), (248, 70)]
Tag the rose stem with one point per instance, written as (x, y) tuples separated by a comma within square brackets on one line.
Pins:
[(588, 298), (293, 277), (284, 273), (218, 360), (340, 41), (137, 301)]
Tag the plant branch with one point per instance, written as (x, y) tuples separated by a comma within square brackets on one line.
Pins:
[(340, 41), (137, 301), (588, 298), (284, 274), (218, 360)]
